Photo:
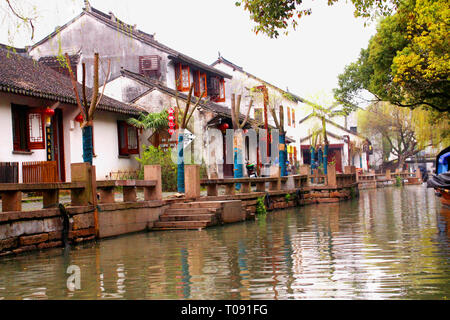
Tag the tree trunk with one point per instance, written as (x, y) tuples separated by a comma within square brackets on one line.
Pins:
[(325, 159), (401, 162)]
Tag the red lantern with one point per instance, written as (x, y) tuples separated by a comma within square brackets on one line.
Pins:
[(224, 126), (171, 125), (79, 118), (171, 131), (49, 112)]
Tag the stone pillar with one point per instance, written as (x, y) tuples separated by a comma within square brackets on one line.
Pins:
[(349, 169), (11, 201), (388, 174), (275, 173), (246, 187), (153, 172), (129, 194), (83, 172), (211, 190), (331, 176), (50, 198), (192, 181), (418, 173), (107, 195), (305, 169)]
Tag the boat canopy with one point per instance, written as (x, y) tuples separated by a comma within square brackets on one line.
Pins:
[(442, 161)]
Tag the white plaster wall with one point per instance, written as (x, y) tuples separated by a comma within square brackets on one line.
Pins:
[(88, 35), (106, 145)]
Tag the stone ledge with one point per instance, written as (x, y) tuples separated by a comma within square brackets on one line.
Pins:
[(130, 205)]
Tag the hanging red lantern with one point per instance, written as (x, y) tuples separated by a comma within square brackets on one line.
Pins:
[(49, 112), (224, 126), (171, 131), (79, 118)]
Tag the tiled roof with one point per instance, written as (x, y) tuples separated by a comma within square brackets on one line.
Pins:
[(217, 108), (198, 64), (25, 76), (131, 31), (236, 67)]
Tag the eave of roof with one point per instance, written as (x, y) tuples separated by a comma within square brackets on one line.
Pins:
[(137, 34), (183, 58), (172, 92), (25, 76), (234, 66), (333, 123)]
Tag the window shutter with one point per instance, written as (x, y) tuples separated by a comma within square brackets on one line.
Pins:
[(149, 65), (178, 76), (293, 118), (288, 116), (197, 83), (123, 137)]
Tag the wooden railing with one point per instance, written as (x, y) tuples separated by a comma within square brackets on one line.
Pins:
[(106, 190), (274, 184), (345, 179), (39, 171), (9, 172), (81, 189), (12, 193)]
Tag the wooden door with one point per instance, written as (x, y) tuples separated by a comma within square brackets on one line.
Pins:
[(58, 144), (335, 154)]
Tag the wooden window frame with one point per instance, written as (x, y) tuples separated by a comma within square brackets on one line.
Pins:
[(17, 135), (293, 117), (179, 77), (289, 116), (123, 126), (221, 86), (198, 77)]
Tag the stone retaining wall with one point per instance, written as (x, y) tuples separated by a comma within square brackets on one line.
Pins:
[(27, 231)]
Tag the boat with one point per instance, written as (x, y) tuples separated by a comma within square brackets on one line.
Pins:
[(440, 181)]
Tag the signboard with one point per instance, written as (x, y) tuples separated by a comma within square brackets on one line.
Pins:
[(49, 146)]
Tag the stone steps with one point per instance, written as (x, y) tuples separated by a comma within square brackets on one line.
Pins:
[(197, 205), (180, 225), (191, 211), (189, 215)]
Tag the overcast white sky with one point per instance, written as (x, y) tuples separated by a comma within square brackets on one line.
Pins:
[(307, 61)]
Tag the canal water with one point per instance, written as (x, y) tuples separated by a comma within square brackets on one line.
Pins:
[(391, 243)]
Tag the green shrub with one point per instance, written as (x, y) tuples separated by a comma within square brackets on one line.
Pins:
[(287, 197), (152, 155), (260, 206), (398, 181)]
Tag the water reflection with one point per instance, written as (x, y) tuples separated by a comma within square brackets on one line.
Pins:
[(390, 243)]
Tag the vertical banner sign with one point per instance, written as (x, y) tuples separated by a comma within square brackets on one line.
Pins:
[(171, 119), (49, 134)]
